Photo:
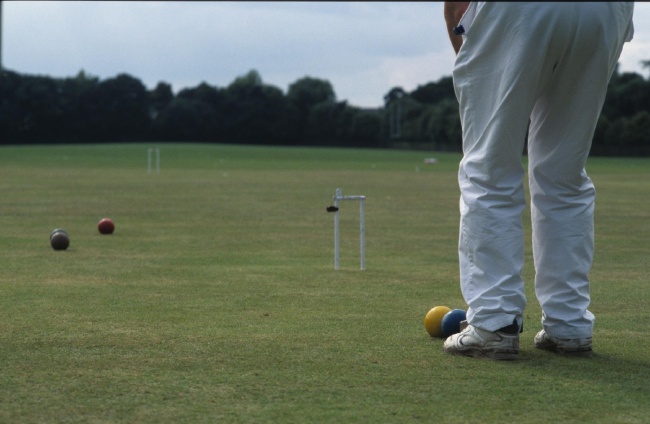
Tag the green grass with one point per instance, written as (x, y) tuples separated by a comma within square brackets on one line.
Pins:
[(216, 298)]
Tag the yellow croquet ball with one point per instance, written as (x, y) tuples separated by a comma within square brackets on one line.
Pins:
[(433, 320)]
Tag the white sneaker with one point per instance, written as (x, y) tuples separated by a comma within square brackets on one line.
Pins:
[(479, 343), (572, 347)]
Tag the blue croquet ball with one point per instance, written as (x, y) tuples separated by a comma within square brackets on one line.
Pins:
[(451, 322)]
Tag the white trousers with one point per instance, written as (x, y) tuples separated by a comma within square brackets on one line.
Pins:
[(548, 64)]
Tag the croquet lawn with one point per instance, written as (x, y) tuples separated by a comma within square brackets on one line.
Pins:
[(216, 299)]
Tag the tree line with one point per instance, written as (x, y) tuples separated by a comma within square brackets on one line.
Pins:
[(85, 109)]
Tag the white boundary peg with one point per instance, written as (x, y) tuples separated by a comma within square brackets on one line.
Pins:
[(150, 154), (362, 226)]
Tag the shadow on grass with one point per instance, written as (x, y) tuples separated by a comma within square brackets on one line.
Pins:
[(612, 374)]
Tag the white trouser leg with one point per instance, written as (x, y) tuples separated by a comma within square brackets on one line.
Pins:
[(494, 110), (562, 195), (508, 59)]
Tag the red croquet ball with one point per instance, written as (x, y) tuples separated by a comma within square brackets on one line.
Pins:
[(106, 226)]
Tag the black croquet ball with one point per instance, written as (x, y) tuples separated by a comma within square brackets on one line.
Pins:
[(59, 240)]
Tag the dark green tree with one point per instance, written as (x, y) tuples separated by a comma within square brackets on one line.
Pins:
[(185, 119), (76, 116), (440, 124), (435, 92), (627, 94), (35, 106), (635, 139), (326, 124), (365, 129), (303, 95), (159, 98), (254, 113), (118, 109)]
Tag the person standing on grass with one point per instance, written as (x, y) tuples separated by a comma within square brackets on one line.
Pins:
[(540, 70)]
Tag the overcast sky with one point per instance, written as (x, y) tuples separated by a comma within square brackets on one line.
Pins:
[(363, 48)]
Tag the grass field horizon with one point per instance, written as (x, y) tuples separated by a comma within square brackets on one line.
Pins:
[(216, 299)]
